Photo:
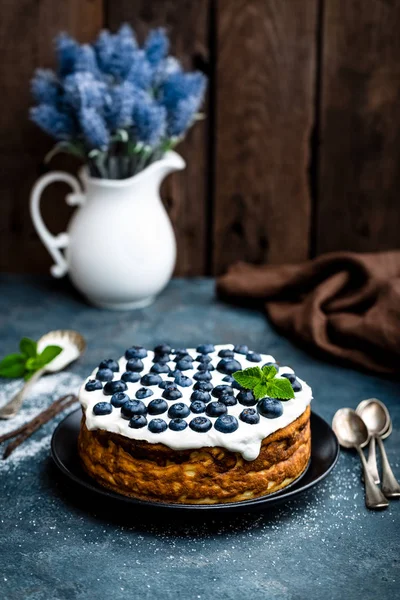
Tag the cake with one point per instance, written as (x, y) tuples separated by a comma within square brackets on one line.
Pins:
[(173, 425)]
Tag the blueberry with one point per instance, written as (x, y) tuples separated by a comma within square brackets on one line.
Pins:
[(171, 393), (296, 385), (157, 407), (203, 386), (226, 353), (177, 424), (228, 379), (151, 379), (206, 376), (246, 397), (174, 373), (159, 368), (227, 366), (272, 364), (222, 389), (203, 359), (135, 352), (184, 365), (183, 381), (109, 363), (206, 367), (104, 375), (205, 348), (119, 399), (290, 376), (198, 407), (178, 410), (271, 408), (138, 421), (226, 424), (134, 364), (236, 385), (102, 408), (130, 376), (179, 351), (200, 424), (250, 416), (253, 357), (215, 409), (241, 349), (92, 385), (133, 407), (228, 400), (185, 356), (202, 396), (164, 384), (162, 349), (157, 425), (161, 358), (143, 393), (112, 387)]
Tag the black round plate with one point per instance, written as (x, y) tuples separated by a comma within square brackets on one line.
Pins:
[(324, 454)]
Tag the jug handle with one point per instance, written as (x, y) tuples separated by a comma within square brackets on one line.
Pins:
[(54, 243)]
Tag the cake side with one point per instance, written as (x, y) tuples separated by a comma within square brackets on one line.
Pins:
[(207, 475)]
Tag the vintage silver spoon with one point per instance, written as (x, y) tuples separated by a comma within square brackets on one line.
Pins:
[(371, 460), (73, 345), (352, 432), (377, 419)]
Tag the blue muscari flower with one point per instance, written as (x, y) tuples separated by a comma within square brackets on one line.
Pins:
[(86, 60), (54, 122), (116, 53), (45, 87), (140, 72), (104, 48), (119, 105), (149, 120), (67, 50), (183, 115), (156, 47), (82, 89), (180, 86), (94, 128)]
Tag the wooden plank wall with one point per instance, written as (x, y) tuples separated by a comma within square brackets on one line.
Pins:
[(300, 152)]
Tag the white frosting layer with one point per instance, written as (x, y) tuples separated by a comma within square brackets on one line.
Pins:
[(246, 439)]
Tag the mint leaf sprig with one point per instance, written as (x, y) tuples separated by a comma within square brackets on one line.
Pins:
[(264, 383), (28, 361)]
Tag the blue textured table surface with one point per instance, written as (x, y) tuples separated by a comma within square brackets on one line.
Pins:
[(57, 544)]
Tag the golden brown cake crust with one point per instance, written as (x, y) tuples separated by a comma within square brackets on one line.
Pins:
[(207, 475)]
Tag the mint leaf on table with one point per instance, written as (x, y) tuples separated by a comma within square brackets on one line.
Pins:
[(28, 347), (263, 382)]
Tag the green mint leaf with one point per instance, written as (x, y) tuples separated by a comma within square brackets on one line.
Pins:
[(13, 369), (260, 391), (34, 364), (12, 359), (28, 347), (249, 378), (49, 354), (280, 388), (269, 372)]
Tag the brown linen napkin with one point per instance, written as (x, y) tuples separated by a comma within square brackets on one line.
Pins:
[(347, 305)]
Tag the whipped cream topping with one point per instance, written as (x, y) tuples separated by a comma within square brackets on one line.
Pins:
[(246, 439)]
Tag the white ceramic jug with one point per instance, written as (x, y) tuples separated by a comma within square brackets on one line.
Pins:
[(119, 247)]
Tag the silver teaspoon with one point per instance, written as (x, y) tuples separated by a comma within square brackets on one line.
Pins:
[(352, 432), (371, 460), (72, 344), (377, 419)]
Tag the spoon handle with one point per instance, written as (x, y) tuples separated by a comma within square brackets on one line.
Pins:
[(374, 499), (10, 409), (372, 466), (390, 485)]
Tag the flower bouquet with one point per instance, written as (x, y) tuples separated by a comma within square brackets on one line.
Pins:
[(116, 105)]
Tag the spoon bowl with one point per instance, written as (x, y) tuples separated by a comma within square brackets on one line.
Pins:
[(375, 416), (350, 429)]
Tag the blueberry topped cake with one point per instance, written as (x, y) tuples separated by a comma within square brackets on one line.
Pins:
[(195, 426)]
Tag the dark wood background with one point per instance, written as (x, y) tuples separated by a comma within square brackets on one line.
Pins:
[(300, 152)]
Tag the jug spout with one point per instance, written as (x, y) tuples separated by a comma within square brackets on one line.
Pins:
[(170, 162)]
